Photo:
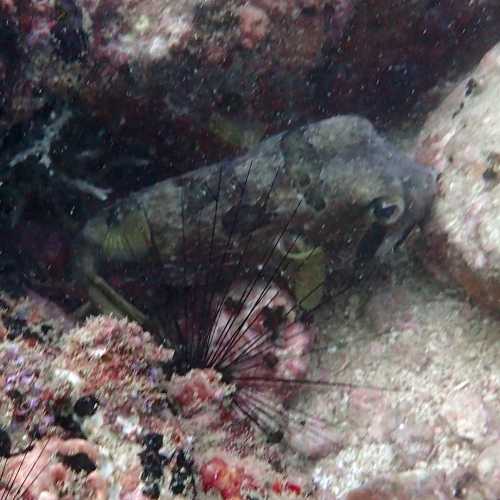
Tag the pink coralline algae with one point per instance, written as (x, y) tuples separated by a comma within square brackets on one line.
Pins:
[(254, 26), (236, 480), (108, 355), (217, 475), (195, 391)]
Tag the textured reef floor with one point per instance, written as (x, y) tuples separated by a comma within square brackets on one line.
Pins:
[(425, 414), (426, 432)]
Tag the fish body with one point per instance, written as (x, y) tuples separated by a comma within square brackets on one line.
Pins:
[(335, 185)]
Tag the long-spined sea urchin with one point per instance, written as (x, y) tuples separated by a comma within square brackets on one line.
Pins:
[(238, 336)]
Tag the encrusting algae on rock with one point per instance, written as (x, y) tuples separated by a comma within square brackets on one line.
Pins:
[(100, 399)]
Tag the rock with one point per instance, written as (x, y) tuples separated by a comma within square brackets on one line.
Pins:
[(390, 309), (364, 406), (159, 66), (413, 443), (464, 483), (467, 415), (488, 470), (460, 139), (415, 485), (383, 424), (254, 26), (315, 439)]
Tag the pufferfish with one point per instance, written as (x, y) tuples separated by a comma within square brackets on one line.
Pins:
[(334, 188)]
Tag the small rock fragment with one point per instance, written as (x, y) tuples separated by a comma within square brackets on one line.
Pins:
[(488, 469), (415, 485), (413, 443), (254, 26), (467, 415), (315, 439)]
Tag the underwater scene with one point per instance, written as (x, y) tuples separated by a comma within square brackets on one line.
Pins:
[(250, 249)]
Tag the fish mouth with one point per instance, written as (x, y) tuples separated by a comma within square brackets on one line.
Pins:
[(378, 243), (369, 244), (404, 236)]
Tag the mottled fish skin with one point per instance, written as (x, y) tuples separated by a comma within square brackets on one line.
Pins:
[(357, 197)]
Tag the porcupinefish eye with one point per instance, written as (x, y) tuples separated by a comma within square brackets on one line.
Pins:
[(387, 210)]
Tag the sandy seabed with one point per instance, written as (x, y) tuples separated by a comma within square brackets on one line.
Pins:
[(426, 361)]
